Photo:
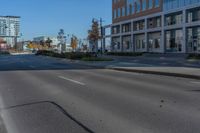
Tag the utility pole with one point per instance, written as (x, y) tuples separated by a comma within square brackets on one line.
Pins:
[(15, 39)]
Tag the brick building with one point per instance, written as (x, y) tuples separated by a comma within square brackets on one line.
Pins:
[(159, 26)]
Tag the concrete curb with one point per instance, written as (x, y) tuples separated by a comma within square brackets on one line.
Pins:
[(158, 73)]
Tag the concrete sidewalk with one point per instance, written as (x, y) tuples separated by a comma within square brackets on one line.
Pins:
[(184, 72), (176, 71)]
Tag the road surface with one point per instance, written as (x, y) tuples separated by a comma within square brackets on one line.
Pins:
[(42, 94)]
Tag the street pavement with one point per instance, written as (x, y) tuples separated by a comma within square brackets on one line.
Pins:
[(43, 94)]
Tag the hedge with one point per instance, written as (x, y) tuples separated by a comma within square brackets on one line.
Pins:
[(124, 54)]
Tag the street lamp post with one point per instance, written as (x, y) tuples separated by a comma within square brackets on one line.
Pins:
[(15, 39)]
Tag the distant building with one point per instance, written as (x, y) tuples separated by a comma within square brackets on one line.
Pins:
[(54, 43), (3, 45), (9, 29)]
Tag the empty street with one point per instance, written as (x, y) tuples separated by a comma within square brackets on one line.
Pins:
[(67, 96)]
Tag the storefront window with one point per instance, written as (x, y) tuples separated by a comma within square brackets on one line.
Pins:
[(174, 40), (116, 44), (126, 43), (154, 42), (140, 43), (193, 39)]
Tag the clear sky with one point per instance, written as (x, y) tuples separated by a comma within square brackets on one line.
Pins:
[(46, 17)]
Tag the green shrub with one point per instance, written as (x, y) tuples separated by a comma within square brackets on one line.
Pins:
[(73, 55), (124, 54), (96, 59), (194, 56), (4, 53), (69, 55)]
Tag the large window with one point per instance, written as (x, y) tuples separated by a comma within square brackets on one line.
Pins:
[(138, 6), (119, 12), (116, 44), (126, 40), (126, 27), (128, 10), (193, 15), (174, 40), (144, 4), (154, 22), (139, 25), (133, 9), (128, 7), (116, 29), (174, 4), (150, 4), (157, 3), (115, 14), (193, 39), (140, 45), (154, 41), (123, 11), (173, 19)]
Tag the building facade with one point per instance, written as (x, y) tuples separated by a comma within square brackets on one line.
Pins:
[(158, 26), (54, 40), (10, 29)]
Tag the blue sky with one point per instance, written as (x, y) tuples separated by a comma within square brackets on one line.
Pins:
[(46, 17)]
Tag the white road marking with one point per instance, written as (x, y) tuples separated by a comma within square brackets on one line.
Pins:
[(71, 80), (31, 66), (164, 63), (195, 82)]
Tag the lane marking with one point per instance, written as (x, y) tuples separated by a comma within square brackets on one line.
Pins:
[(71, 80), (164, 63), (195, 82), (31, 66)]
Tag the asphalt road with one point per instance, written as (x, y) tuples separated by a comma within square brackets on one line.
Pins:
[(41, 94)]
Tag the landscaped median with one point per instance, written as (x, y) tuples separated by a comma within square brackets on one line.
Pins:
[(125, 53), (193, 73), (194, 56), (4, 53), (74, 55)]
